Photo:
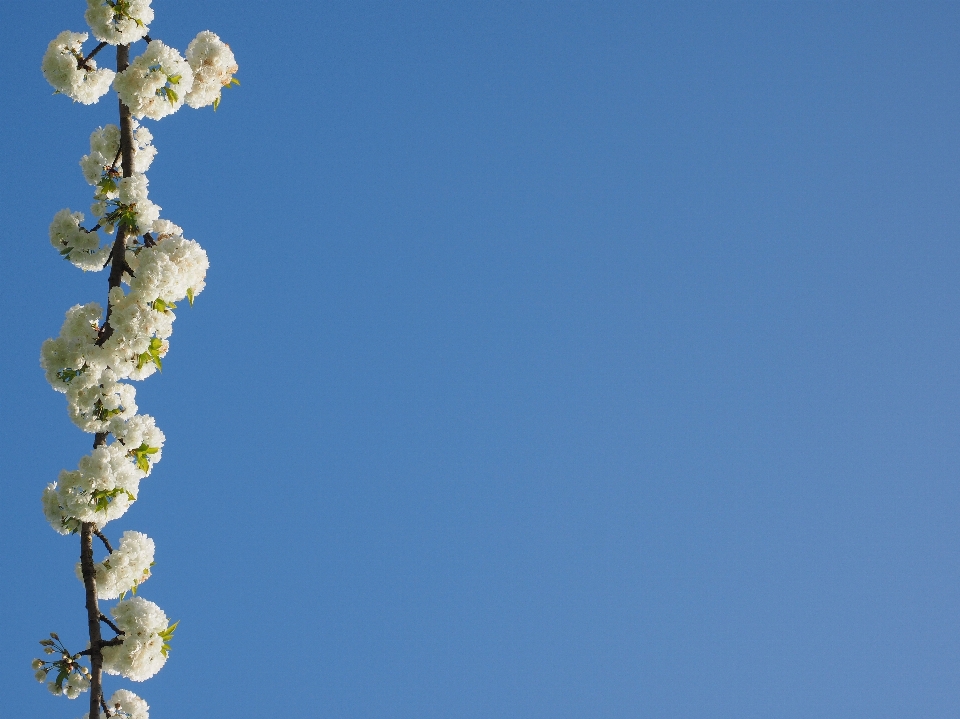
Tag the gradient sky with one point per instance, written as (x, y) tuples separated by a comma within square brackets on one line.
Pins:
[(557, 360)]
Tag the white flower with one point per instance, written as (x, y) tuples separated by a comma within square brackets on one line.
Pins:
[(105, 148), (140, 331), (74, 353), (174, 268), (75, 684), (75, 243), (92, 402), (128, 566), (61, 68), (140, 431), (143, 651), (125, 705), (156, 83), (104, 485), (213, 67), (120, 22)]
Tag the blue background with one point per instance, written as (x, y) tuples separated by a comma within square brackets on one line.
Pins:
[(557, 360)]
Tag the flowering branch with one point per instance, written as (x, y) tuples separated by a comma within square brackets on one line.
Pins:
[(96, 350)]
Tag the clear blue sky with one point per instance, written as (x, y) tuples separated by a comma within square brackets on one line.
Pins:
[(557, 361)]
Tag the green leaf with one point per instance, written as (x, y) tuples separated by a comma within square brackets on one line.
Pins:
[(216, 103), (175, 79), (190, 295), (234, 81)]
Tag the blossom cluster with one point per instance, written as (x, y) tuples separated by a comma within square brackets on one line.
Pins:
[(125, 705), (126, 568), (146, 632), (100, 351), (64, 67)]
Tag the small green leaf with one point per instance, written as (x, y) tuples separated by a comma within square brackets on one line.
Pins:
[(234, 81), (216, 103), (190, 295)]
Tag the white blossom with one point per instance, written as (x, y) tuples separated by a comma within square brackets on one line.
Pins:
[(75, 243), (213, 68), (173, 269), (125, 705), (119, 22), (140, 431), (61, 68), (143, 651), (105, 148), (74, 685), (102, 488), (74, 352), (92, 401), (156, 83), (126, 567)]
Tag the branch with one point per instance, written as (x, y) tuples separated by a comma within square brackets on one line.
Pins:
[(89, 574), (148, 39), (106, 542), (116, 641), (114, 627), (148, 240), (106, 709), (82, 64), (87, 529)]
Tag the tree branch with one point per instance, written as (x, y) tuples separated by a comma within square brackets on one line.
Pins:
[(89, 574), (87, 529), (106, 542), (114, 627), (82, 64)]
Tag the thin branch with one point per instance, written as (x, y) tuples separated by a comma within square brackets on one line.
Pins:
[(106, 542), (106, 709), (88, 652), (148, 39), (82, 64), (148, 240), (114, 627)]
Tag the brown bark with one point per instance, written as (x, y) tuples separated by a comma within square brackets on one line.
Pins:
[(88, 529)]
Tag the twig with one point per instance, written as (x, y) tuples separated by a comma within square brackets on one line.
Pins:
[(114, 627), (106, 542), (82, 64)]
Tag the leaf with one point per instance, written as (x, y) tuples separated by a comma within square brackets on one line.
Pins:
[(190, 295), (234, 81), (216, 103)]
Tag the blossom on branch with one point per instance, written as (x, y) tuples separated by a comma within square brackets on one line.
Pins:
[(156, 83), (118, 22), (146, 631), (64, 67), (125, 705), (126, 568)]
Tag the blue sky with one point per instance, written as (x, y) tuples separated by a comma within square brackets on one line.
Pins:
[(556, 360)]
